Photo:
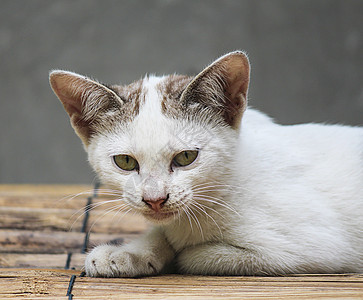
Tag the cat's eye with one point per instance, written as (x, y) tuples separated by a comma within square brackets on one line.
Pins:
[(185, 158), (126, 162)]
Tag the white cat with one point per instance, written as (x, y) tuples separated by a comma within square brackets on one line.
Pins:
[(228, 194)]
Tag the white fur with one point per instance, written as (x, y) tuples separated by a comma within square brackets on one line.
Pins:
[(276, 199)]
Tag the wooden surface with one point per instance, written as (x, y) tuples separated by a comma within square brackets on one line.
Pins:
[(51, 284), (43, 231), (42, 225)]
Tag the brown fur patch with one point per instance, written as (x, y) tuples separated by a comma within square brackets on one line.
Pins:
[(132, 96), (171, 88)]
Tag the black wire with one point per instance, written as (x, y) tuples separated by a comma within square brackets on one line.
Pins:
[(86, 239), (68, 262), (70, 287), (85, 243), (86, 214)]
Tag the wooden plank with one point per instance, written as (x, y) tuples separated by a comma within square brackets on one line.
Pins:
[(34, 284), (53, 196), (99, 222), (25, 218), (34, 189), (44, 201), (46, 284), (59, 209), (67, 198), (222, 287), (49, 261), (27, 207), (23, 241)]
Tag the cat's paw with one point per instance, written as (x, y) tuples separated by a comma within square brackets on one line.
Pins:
[(118, 261)]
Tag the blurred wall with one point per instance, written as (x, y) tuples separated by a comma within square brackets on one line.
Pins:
[(306, 60)]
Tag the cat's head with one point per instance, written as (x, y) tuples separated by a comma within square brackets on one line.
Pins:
[(166, 143)]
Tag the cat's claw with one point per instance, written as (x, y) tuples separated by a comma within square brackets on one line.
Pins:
[(116, 261)]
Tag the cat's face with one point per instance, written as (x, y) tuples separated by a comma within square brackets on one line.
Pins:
[(159, 162), (165, 143)]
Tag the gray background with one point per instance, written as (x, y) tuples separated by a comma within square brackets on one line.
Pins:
[(306, 64)]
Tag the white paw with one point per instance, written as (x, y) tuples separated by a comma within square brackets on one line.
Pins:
[(118, 261)]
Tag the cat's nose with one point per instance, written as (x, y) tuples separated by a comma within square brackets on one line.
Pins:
[(155, 204)]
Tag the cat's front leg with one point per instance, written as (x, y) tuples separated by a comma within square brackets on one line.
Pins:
[(145, 256), (221, 259)]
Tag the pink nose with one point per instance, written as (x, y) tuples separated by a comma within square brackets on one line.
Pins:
[(156, 204)]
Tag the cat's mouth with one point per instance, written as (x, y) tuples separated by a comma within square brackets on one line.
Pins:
[(159, 215)]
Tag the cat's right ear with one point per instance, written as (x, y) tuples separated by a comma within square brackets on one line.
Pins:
[(222, 87), (82, 99)]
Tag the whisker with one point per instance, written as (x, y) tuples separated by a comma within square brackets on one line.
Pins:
[(71, 197), (178, 215), (212, 187), (111, 209), (219, 186), (195, 218), (210, 208), (86, 210), (90, 192), (89, 208), (200, 207), (124, 213), (187, 214), (207, 185), (217, 201), (211, 190), (231, 189), (201, 184)]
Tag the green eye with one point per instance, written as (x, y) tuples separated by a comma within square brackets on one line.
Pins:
[(185, 158), (125, 162)]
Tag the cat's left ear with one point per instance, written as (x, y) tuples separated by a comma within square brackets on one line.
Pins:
[(83, 99), (222, 86)]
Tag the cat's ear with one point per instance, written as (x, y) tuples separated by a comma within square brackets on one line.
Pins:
[(222, 86), (82, 98)]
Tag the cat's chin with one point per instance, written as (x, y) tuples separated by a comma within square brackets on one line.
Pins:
[(160, 217)]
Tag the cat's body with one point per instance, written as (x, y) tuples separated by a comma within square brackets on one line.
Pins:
[(248, 197)]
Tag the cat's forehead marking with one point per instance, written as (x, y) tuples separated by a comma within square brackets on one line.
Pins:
[(134, 95), (151, 130), (150, 98), (170, 90)]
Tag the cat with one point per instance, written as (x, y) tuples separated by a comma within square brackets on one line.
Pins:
[(228, 191)]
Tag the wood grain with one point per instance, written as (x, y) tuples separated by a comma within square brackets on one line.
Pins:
[(57, 209), (26, 241), (40, 225), (48, 284)]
